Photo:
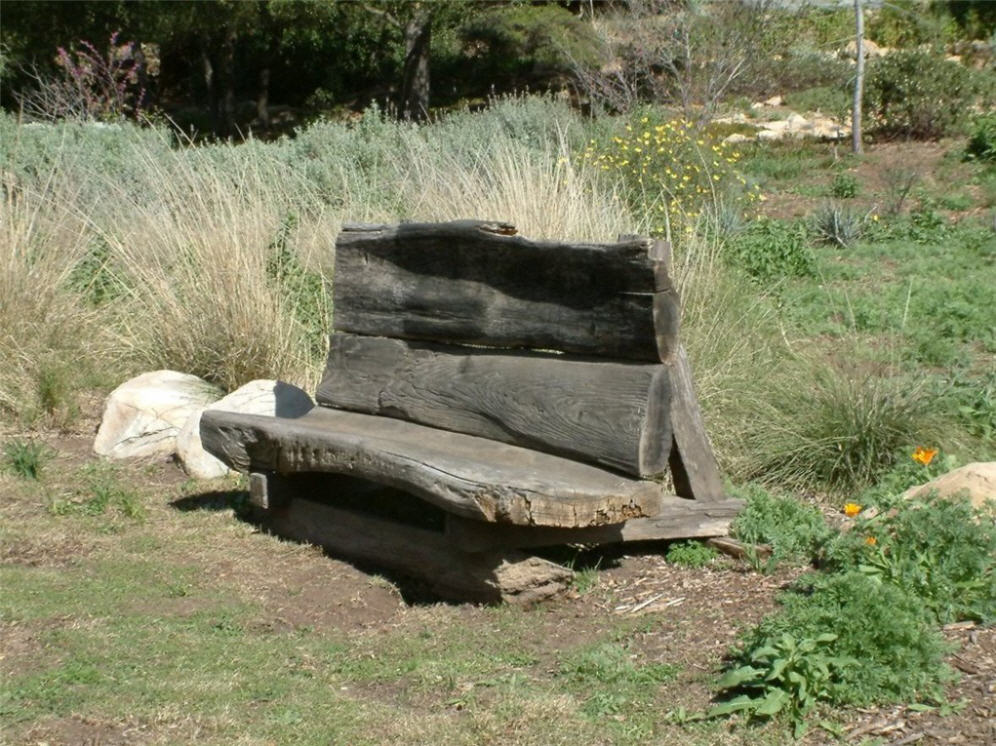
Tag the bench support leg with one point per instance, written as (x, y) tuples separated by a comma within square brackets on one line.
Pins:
[(489, 576), (693, 464)]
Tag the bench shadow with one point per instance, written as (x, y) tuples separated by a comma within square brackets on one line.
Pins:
[(215, 500), (413, 591)]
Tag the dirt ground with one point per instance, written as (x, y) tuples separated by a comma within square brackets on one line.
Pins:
[(692, 615)]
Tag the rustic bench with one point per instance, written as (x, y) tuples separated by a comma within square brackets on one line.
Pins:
[(486, 393)]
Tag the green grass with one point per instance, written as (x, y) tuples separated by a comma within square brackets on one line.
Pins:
[(25, 458)]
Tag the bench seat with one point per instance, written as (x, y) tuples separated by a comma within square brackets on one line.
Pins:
[(468, 476)]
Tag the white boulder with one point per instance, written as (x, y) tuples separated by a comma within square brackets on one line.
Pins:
[(736, 138), (143, 416), (265, 397), (977, 481)]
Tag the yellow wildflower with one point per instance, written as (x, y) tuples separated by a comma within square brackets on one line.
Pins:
[(851, 509)]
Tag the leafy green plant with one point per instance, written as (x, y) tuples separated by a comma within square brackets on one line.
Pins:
[(892, 650), (793, 529), (25, 458), (690, 554), (844, 185), (982, 140), (771, 250), (836, 224), (938, 550), (786, 676), (909, 471), (974, 400)]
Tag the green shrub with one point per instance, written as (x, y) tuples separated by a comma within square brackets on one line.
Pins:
[(669, 170), (886, 647), (770, 250), (917, 95), (690, 554), (939, 551), (525, 42), (844, 185), (982, 141), (793, 529)]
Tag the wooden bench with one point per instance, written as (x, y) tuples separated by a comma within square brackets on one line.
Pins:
[(486, 393)]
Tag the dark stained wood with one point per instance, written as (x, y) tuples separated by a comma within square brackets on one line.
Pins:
[(604, 412), (463, 474), (472, 282), (678, 519), (693, 464), (492, 576)]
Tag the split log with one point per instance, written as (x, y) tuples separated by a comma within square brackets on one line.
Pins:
[(463, 474), (472, 282), (603, 412)]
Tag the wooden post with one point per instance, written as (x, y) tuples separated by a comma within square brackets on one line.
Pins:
[(859, 77)]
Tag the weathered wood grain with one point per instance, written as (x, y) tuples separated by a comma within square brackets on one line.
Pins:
[(693, 463), (463, 474), (678, 519), (472, 282), (604, 412), (493, 576)]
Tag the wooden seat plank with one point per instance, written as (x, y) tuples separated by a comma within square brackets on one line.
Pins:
[(466, 475)]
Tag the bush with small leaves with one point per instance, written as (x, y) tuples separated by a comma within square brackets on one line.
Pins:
[(918, 95)]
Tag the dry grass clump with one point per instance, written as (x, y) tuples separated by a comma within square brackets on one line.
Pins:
[(49, 337), (196, 251)]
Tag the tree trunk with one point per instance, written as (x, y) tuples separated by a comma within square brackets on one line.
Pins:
[(859, 77), (207, 66), (263, 99), (414, 100), (228, 83)]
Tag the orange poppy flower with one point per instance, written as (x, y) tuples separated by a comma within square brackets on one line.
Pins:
[(871, 541), (924, 455), (851, 509)]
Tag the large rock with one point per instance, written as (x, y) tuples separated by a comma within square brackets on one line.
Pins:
[(977, 481), (271, 398), (143, 416)]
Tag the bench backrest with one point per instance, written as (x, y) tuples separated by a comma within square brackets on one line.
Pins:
[(467, 327)]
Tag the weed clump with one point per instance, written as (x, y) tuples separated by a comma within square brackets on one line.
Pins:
[(690, 554), (793, 529), (771, 250), (25, 458)]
